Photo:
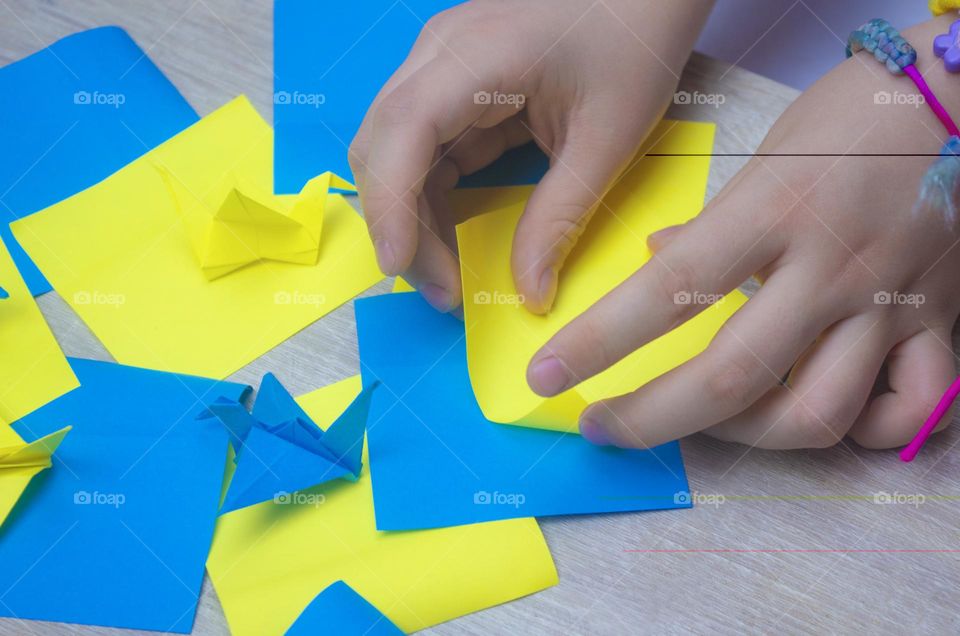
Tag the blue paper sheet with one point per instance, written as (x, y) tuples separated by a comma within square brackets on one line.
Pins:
[(341, 611), (72, 114), (325, 78), (280, 450), (116, 532), (435, 461)]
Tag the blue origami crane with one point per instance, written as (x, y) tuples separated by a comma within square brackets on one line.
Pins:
[(280, 450)]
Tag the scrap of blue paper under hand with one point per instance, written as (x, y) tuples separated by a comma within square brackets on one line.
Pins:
[(324, 85), (280, 450), (339, 610), (116, 532), (425, 422), (73, 114)]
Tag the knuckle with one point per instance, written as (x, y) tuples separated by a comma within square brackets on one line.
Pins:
[(568, 227), (591, 352), (396, 109), (675, 284), (818, 426), (732, 385)]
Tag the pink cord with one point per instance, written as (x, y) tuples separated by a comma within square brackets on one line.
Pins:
[(910, 450), (932, 100)]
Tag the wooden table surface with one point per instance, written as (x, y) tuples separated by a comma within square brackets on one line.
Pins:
[(794, 542)]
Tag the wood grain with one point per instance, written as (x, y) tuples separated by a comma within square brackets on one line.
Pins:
[(799, 544)]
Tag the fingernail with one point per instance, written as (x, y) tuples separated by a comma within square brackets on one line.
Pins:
[(386, 259), (593, 432), (438, 297), (547, 287), (547, 377)]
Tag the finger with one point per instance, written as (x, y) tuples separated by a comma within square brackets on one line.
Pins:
[(661, 238), (826, 391), (747, 358), (435, 270), (479, 147), (430, 108), (582, 168), (712, 256), (919, 370)]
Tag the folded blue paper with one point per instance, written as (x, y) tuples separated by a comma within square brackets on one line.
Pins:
[(435, 461), (73, 114), (4, 293), (323, 85), (117, 532), (341, 611), (280, 450)]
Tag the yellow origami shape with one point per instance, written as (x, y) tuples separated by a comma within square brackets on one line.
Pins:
[(20, 461), (235, 223)]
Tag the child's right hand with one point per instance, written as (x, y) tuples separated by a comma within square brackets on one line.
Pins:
[(594, 77)]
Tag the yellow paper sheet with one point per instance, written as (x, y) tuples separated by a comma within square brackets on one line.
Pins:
[(502, 336), (269, 561), (119, 253), (33, 370), (19, 462)]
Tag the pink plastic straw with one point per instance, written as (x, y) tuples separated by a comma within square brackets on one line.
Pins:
[(932, 100), (910, 450)]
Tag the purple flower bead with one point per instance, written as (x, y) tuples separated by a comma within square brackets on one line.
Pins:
[(947, 46)]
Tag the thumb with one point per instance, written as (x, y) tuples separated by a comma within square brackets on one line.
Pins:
[(558, 211)]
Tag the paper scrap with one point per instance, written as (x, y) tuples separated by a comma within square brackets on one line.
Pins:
[(340, 610), (427, 435), (119, 254), (74, 113), (502, 336), (117, 531), (20, 461), (33, 369), (269, 560), (280, 450)]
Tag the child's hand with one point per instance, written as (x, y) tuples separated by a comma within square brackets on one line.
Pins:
[(852, 278), (594, 78)]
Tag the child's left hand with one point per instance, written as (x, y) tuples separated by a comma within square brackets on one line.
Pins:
[(852, 278)]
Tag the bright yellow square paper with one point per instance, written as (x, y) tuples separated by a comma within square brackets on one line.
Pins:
[(502, 336), (119, 254), (269, 561), (20, 462), (33, 370)]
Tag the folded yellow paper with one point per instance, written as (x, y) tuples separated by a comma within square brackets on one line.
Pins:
[(269, 561), (502, 336), (33, 370), (234, 223), (122, 256), (19, 462)]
